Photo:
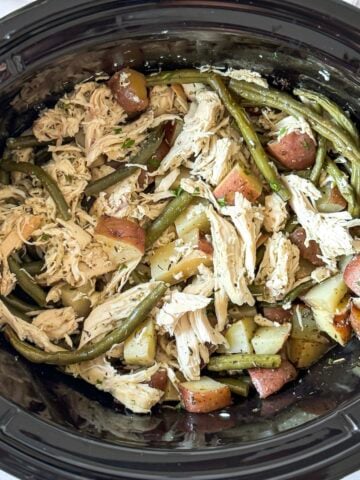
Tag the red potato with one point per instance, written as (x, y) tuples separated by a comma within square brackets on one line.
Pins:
[(295, 151), (312, 252), (352, 275), (159, 380), (121, 229), (342, 325), (205, 246), (204, 395), (277, 314), (355, 319), (268, 381), (238, 180), (129, 89)]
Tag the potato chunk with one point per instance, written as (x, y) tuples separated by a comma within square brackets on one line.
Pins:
[(204, 395), (140, 347), (238, 180)]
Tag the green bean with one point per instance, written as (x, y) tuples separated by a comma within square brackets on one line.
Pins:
[(167, 217), (241, 361), (236, 385), (355, 179), (18, 313), (244, 311), (319, 160), (344, 187), (47, 181), (34, 268), (90, 351), (26, 141), (27, 283), (17, 303), (336, 113), (141, 158), (339, 138), (297, 291), (42, 156), (238, 112)]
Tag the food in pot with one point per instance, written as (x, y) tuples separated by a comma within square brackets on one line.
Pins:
[(183, 236)]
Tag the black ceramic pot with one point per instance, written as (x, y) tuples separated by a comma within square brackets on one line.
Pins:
[(56, 427)]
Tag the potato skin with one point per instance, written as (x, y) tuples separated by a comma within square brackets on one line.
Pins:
[(295, 150), (277, 314), (238, 180), (268, 381), (311, 252), (121, 229), (204, 401), (205, 246), (342, 326), (355, 319), (129, 89), (159, 380), (352, 275)]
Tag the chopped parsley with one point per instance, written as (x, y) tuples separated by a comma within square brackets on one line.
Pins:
[(196, 191), (63, 105), (117, 130), (306, 145), (128, 142), (282, 131), (222, 202)]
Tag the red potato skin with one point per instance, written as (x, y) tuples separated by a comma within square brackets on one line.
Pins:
[(234, 182), (132, 95), (205, 246), (268, 381), (159, 380), (123, 230), (342, 324), (352, 275), (312, 252), (355, 319), (205, 401), (295, 151), (337, 198), (277, 314)]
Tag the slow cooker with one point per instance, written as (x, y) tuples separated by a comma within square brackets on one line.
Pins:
[(54, 426)]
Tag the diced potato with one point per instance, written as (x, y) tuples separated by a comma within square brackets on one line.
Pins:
[(327, 294), (304, 353), (170, 393), (238, 180), (193, 218), (159, 380), (195, 238), (336, 326), (239, 336), (165, 266), (270, 340), (355, 319), (122, 239), (78, 298), (270, 380), (352, 274), (295, 150), (304, 326), (204, 395), (140, 347), (129, 89)]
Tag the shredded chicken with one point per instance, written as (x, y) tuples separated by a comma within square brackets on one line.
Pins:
[(275, 213), (229, 259), (247, 220), (278, 268), (57, 323), (329, 230), (203, 115)]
